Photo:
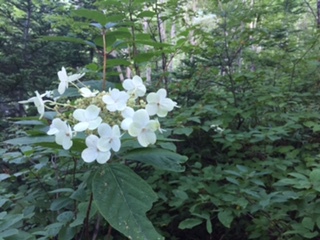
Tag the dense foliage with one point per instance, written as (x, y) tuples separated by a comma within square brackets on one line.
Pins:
[(245, 75)]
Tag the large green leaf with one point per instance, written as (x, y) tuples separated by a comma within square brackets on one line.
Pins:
[(93, 15), (159, 158), (123, 198), (30, 140), (225, 217)]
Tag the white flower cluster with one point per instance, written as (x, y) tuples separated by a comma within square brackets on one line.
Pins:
[(102, 138)]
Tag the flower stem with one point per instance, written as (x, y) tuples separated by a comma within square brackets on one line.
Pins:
[(104, 81)]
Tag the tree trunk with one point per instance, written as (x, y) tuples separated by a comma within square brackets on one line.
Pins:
[(318, 14)]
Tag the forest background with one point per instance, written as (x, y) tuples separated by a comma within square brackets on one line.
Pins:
[(245, 74)]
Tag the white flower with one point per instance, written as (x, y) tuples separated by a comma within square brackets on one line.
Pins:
[(92, 152), (217, 128), (143, 128), (62, 131), (65, 79), (109, 137), (134, 86), (159, 104), (38, 102), (127, 114), (116, 100), (86, 92), (89, 118)]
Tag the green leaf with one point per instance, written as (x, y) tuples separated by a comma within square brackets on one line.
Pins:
[(29, 122), (144, 57), (62, 190), (225, 217), (9, 232), (67, 233), (153, 43), (183, 131), (190, 223), (159, 158), (30, 140), (93, 15), (315, 179), (60, 203), (308, 223), (123, 198), (4, 176), (65, 217), (9, 221), (116, 62), (144, 14)]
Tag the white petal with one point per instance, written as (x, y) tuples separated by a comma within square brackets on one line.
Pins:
[(105, 130), (38, 102), (152, 109), (81, 126), (137, 80), (121, 106), (89, 155), (146, 138), (53, 131), (80, 115), (116, 131), (74, 77), (27, 101), (91, 141), (60, 136), (104, 144), (67, 143), (134, 129), (86, 92), (141, 116), (167, 104), (92, 112), (162, 93), (112, 107), (62, 87), (153, 125), (103, 157), (56, 126), (107, 99), (115, 144), (125, 124), (152, 98), (62, 75), (128, 85), (94, 123), (162, 112), (127, 112)]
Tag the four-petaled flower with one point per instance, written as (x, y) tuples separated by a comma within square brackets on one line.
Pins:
[(134, 86), (92, 152), (109, 137), (116, 100), (62, 132), (159, 104), (143, 128), (89, 118), (65, 79), (38, 102), (86, 92)]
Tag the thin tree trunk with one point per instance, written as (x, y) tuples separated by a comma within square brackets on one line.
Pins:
[(162, 38), (27, 26), (146, 48), (318, 14)]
